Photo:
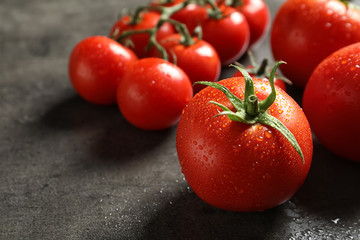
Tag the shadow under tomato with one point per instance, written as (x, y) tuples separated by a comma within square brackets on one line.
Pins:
[(331, 189), (106, 133), (188, 217)]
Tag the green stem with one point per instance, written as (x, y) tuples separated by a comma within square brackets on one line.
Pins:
[(252, 111)]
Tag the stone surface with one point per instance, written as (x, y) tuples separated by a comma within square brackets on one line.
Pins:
[(73, 170)]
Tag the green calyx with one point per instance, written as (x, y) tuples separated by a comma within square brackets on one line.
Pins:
[(251, 110)]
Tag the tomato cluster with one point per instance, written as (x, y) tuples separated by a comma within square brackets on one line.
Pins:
[(243, 143)]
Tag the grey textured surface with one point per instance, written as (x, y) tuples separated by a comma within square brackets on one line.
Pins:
[(72, 170)]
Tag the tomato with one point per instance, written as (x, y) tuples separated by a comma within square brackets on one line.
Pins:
[(230, 35), (140, 41), (192, 15), (278, 82), (331, 101), (200, 54), (257, 15), (242, 167), (96, 66), (304, 32), (153, 93)]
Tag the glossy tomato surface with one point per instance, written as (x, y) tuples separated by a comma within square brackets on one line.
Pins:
[(140, 41), (237, 166), (332, 102), (96, 66), (153, 93), (304, 32), (257, 15), (192, 15), (200, 60), (229, 35)]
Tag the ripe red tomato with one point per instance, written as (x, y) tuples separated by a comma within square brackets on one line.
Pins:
[(96, 66), (192, 15), (200, 54), (237, 166), (153, 93), (331, 101), (140, 41), (304, 32), (257, 15), (229, 35), (278, 82)]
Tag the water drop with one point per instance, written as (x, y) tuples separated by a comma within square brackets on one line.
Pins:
[(268, 134)]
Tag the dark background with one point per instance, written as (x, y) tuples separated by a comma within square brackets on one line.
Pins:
[(73, 170)]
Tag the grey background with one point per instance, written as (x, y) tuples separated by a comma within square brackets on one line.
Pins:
[(73, 170)]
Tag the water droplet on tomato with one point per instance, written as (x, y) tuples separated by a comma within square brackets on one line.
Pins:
[(195, 142), (260, 138), (268, 134)]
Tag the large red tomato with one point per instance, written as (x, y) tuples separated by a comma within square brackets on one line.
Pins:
[(331, 101), (200, 54), (304, 32), (96, 66), (153, 93), (230, 35), (140, 41), (237, 166)]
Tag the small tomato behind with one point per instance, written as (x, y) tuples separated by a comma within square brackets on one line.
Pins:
[(199, 60), (229, 35), (96, 66), (140, 41), (153, 93)]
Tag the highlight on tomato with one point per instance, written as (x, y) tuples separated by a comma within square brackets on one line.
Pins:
[(228, 32), (304, 32), (331, 102), (96, 66), (244, 144), (153, 93)]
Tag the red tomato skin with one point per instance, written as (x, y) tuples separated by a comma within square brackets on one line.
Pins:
[(332, 102), (257, 15), (240, 167), (96, 66), (192, 15), (140, 41), (304, 32), (201, 54), (278, 82), (152, 95), (230, 35)]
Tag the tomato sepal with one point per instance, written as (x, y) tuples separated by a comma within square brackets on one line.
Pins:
[(251, 111)]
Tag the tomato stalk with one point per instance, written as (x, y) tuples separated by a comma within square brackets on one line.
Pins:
[(251, 110), (165, 15), (261, 70)]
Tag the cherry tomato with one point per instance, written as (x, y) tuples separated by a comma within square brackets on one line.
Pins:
[(192, 15), (278, 82), (200, 54), (237, 166), (332, 102), (153, 93), (140, 41), (229, 35), (96, 66), (304, 32), (257, 15)]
